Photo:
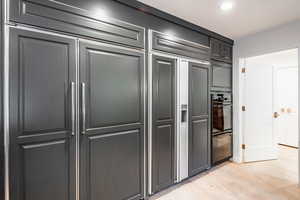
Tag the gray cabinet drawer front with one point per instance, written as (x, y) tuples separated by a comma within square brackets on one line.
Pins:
[(221, 76), (165, 43), (67, 18)]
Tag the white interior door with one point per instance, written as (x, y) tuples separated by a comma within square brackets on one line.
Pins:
[(286, 105), (259, 139)]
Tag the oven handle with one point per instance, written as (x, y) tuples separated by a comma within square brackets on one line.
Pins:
[(226, 132), (221, 105)]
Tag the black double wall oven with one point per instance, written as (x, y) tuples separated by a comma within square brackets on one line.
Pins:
[(221, 109)]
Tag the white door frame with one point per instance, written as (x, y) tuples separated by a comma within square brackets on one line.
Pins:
[(238, 138)]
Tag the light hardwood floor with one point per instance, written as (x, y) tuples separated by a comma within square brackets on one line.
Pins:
[(268, 180)]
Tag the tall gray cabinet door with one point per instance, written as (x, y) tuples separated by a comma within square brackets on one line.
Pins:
[(199, 139), (163, 122), (112, 123), (42, 142), (1, 103)]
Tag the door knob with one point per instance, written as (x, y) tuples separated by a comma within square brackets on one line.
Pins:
[(276, 115)]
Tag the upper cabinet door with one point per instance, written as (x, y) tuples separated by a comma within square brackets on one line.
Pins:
[(227, 52), (58, 16), (221, 76), (112, 123), (199, 122), (163, 122), (169, 44), (221, 51), (215, 49), (42, 141)]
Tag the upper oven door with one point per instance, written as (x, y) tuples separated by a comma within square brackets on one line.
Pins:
[(222, 117)]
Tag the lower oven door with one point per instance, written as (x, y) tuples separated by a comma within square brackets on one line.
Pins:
[(221, 147)]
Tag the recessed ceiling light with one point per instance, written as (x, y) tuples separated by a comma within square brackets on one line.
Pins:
[(226, 5)]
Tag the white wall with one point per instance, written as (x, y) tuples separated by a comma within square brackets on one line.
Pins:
[(273, 40)]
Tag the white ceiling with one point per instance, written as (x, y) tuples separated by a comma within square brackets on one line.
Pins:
[(247, 16)]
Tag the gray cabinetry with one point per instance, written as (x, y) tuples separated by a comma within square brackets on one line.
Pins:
[(112, 123), (221, 76), (42, 141), (163, 122), (1, 104), (59, 16), (45, 110), (77, 90), (199, 120), (221, 51), (165, 43)]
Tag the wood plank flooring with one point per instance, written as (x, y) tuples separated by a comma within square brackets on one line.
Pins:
[(268, 180)]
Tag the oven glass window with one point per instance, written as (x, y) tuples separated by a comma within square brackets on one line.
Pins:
[(221, 117)]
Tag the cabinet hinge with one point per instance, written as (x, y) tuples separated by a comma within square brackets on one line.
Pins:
[(243, 146), (243, 108), (244, 70)]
